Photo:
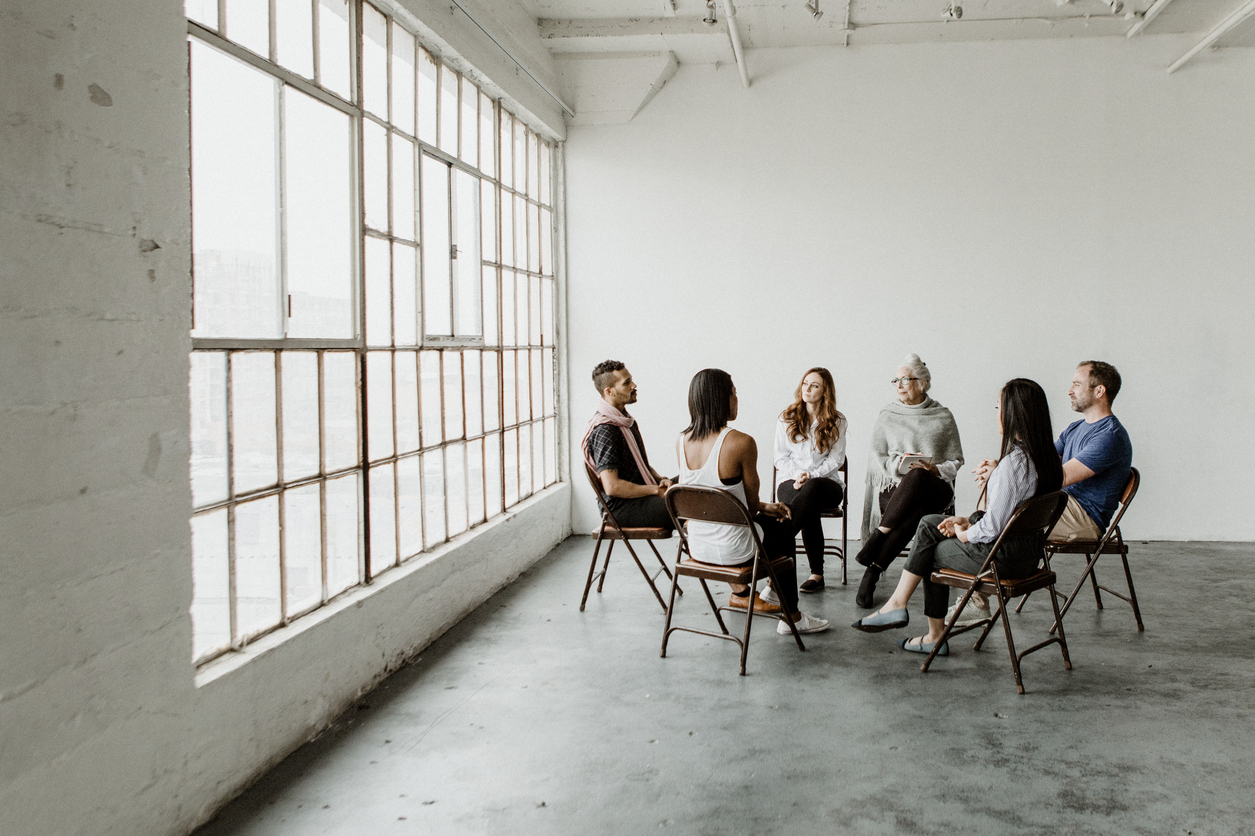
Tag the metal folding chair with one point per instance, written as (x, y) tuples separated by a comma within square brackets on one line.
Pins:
[(841, 512), (713, 505), (1112, 542), (612, 531), (1034, 516)]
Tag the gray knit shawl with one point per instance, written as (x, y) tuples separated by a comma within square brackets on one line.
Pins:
[(928, 428)]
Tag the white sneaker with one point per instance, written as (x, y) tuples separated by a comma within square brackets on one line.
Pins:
[(975, 611), (805, 624), (769, 595)]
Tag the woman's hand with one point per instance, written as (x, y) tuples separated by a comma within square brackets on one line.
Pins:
[(983, 470), (777, 510), (929, 466), (951, 526), (801, 479)]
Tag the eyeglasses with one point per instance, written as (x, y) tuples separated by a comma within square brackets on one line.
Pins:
[(903, 380)]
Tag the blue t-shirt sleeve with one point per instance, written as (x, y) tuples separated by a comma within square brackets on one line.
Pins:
[(1059, 443), (1102, 450)]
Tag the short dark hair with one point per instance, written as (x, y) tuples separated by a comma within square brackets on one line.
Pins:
[(710, 403), (603, 374), (1105, 375)]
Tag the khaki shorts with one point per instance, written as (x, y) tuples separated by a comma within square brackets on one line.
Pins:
[(1075, 524)]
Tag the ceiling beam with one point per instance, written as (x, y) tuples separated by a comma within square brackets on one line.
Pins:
[(1239, 14), (552, 29), (1147, 16), (734, 35)]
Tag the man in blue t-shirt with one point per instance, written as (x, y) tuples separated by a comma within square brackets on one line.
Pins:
[(1096, 453)]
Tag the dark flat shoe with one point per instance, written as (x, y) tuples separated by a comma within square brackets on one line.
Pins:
[(877, 622), (867, 587), (812, 585), (920, 647)]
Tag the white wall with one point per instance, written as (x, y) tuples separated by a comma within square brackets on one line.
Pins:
[(1001, 209), (104, 725)]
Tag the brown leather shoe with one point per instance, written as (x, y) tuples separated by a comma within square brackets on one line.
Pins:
[(738, 603)]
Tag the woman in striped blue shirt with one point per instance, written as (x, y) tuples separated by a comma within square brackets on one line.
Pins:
[(1028, 467)]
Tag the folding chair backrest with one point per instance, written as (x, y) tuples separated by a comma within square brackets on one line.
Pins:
[(1130, 491), (1034, 516), (712, 505)]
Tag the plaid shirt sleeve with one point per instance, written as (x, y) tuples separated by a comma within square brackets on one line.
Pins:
[(605, 445)]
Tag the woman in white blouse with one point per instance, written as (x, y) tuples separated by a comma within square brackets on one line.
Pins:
[(810, 447), (1028, 467)]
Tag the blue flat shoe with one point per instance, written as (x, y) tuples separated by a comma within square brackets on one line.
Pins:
[(876, 622), (920, 647)]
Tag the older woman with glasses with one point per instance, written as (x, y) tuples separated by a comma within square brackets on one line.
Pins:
[(900, 491)]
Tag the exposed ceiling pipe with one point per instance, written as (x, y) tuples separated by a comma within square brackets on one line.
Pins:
[(734, 33), (1241, 14), (1149, 15)]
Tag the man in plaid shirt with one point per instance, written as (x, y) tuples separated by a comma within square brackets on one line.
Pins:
[(633, 500)]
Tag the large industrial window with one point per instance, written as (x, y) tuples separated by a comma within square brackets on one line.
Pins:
[(373, 307)]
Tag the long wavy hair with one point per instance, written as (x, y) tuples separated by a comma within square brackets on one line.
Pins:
[(710, 403), (829, 419), (1026, 424)]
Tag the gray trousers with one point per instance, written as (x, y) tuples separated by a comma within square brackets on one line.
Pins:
[(1017, 558)]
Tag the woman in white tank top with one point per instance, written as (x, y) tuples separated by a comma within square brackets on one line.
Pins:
[(713, 455)]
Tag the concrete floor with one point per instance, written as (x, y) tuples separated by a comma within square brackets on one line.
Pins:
[(531, 717)]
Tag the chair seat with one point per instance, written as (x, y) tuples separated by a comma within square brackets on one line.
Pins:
[(831, 513), (1087, 547), (611, 533), (726, 574), (1011, 587)]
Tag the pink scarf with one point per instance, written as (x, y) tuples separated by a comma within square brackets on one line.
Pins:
[(607, 414)]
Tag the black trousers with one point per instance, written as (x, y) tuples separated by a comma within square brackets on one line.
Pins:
[(1018, 558), (780, 540), (642, 512), (817, 494), (920, 492)]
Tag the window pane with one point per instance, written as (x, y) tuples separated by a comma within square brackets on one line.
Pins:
[(319, 208), (294, 33), (374, 61), (378, 406), (383, 519), (490, 306), (546, 154), (428, 94), (520, 232), (455, 480), (211, 604), (473, 393), (522, 309), (524, 386), (375, 163), (333, 46), (492, 420), (453, 395), (248, 24), (430, 381), (405, 293), (407, 401), (433, 497), (234, 198), (448, 110), (533, 237), (547, 381), (492, 475), (507, 145), (546, 312), (402, 79), (509, 318), (510, 460), (437, 277), (300, 414), (253, 441), (533, 313), (256, 566), (402, 187), (344, 537), (466, 303), (470, 122), (533, 172), (545, 232), (209, 427), (538, 385), (487, 136), (520, 158), (507, 229), (551, 451), (378, 293), (538, 457), (525, 460), (341, 445), (410, 506), (202, 11), (509, 398), (488, 220), (302, 548), (475, 481)]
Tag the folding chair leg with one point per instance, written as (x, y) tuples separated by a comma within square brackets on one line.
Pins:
[(667, 571), (1128, 576), (945, 634), (666, 625), (1093, 580), (749, 616), (645, 572), (1063, 640), (714, 607), (606, 566), (1089, 572), (593, 568), (775, 584), (1015, 660)]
